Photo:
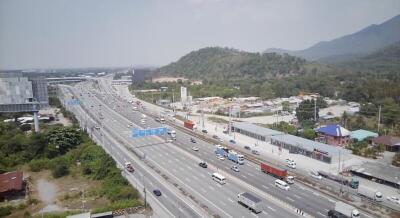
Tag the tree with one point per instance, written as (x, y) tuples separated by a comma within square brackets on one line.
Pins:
[(305, 111), (63, 138), (309, 134), (285, 106)]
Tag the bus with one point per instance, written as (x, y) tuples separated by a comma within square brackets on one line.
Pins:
[(219, 178)]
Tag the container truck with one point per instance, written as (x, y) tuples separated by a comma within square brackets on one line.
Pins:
[(353, 183), (235, 157), (188, 124), (343, 210), (250, 201), (221, 150), (370, 193), (277, 172)]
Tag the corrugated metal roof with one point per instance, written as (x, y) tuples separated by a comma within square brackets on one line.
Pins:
[(309, 144), (362, 134), (259, 130), (334, 130), (11, 181)]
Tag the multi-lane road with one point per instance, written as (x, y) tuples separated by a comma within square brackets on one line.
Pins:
[(179, 164)]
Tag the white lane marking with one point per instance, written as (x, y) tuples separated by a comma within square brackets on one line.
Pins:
[(209, 173), (202, 175), (230, 200), (222, 203), (271, 208), (226, 167), (250, 174), (174, 170), (254, 214), (212, 188), (244, 176), (180, 209), (316, 194), (265, 213), (212, 160), (151, 184), (177, 159), (297, 196), (331, 200), (302, 187), (203, 190), (326, 209), (195, 177), (187, 179), (189, 168), (321, 214), (181, 169), (169, 161), (265, 187), (289, 199)]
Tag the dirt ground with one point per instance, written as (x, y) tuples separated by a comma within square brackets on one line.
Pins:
[(57, 195)]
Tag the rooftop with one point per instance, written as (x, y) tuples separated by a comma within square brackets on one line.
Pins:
[(333, 130), (11, 181), (387, 140), (362, 134), (259, 130), (378, 170), (309, 144)]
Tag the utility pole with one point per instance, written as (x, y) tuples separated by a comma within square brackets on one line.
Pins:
[(315, 110), (379, 117)]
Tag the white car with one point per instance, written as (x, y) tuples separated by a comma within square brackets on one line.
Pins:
[(315, 175), (288, 160), (195, 148), (221, 140), (393, 199), (220, 157), (235, 168)]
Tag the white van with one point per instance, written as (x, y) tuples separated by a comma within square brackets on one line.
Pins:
[(281, 184), (219, 178)]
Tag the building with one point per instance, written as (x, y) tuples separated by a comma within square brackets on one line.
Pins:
[(379, 172), (139, 75), (308, 148), (361, 134), (11, 183), (333, 134), (294, 144), (163, 102), (391, 143)]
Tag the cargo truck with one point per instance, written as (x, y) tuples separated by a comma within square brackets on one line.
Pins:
[(369, 193), (250, 201), (235, 157), (276, 172), (343, 210), (188, 124), (353, 183)]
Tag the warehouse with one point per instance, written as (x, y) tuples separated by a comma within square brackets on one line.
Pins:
[(309, 148), (293, 144)]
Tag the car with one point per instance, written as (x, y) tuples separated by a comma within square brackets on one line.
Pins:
[(315, 175), (288, 160), (170, 140), (97, 127), (195, 148), (255, 152), (129, 167), (232, 141), (193, 140), (157, 192), (393, 199), (204, 131), (220, 140), (220, 157), (291, 165), (203, 164), (235, 168), (247, 147), (215, 137)]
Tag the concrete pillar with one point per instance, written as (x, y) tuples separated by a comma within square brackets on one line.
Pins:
[(36, 121)]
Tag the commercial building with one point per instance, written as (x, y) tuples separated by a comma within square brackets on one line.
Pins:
[(361, 134), (391, 143), (294, 144), (333, 134)]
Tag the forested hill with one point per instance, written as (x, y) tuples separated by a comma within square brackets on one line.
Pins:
[(384, 60), (216, 63)]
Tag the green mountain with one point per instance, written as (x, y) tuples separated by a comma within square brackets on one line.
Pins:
[(216, 63), (384, 60), (363, 42)]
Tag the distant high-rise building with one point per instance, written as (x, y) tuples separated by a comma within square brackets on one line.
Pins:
[(139, 75), (183, 95)]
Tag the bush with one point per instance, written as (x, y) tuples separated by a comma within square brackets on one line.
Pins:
[(5, 211), (60, 167), (37, 165)]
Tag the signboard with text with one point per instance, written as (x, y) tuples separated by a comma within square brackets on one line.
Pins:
[(148, 132)]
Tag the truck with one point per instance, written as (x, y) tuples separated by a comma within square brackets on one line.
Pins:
[(343, 210), (172, 133), (250, 201), (235, 157), (369, 193), (277, 172), (221, 150), (188, 124), (353, 182)]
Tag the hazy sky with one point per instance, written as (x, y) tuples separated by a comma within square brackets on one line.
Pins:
[(90, 33)]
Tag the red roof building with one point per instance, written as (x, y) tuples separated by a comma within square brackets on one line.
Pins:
[(11, 182), (391, 143)]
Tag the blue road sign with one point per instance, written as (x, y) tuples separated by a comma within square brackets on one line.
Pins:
[(148, 132)]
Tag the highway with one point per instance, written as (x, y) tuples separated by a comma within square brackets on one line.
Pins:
[(181, 168), (299, 196)]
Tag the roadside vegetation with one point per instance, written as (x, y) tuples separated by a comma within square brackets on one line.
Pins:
[(64, 151)]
